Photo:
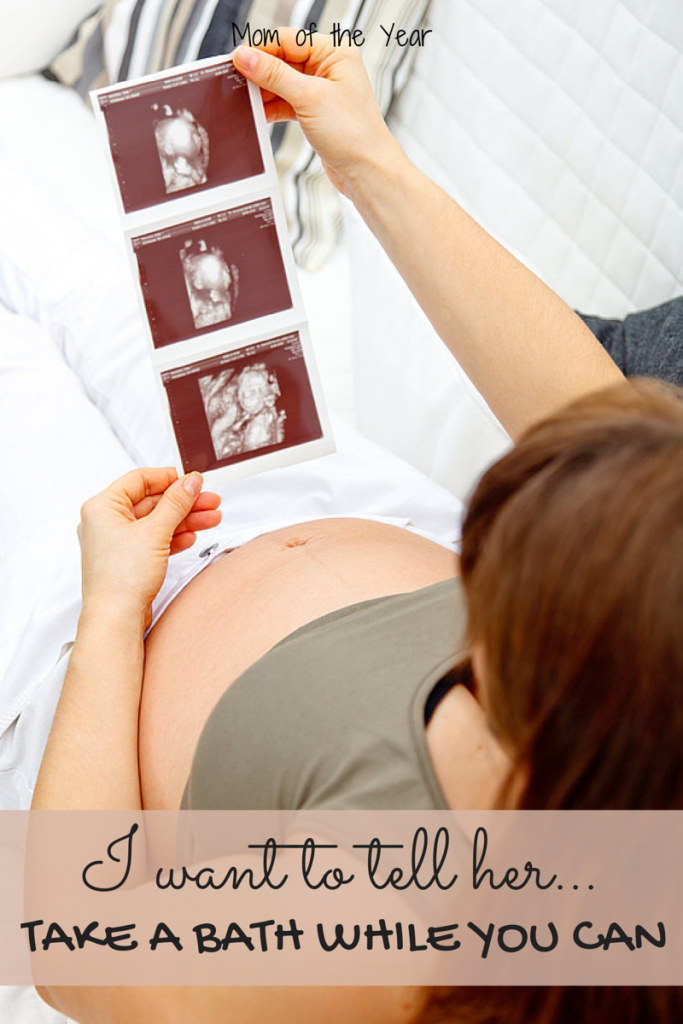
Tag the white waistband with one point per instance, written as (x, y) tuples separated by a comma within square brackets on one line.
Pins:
[(211, 545)]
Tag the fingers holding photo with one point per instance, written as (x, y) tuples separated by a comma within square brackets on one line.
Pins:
[(326, 88), (130, 529), (204, 516), (206, 502)]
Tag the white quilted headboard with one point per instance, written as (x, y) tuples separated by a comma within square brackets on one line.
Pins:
[(559, 125)]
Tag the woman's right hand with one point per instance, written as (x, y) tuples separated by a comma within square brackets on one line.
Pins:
[(128, 532), (327, 90)]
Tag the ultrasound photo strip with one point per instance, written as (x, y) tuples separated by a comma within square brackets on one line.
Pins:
[(208, 244)]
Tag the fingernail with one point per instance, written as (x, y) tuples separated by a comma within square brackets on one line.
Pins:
[(246, 57), (193, 484)]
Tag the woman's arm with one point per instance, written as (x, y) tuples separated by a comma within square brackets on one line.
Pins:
[(127, 534), (519, 343), (247, 1005)]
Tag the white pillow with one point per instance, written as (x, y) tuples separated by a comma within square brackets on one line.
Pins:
[(32, 32)]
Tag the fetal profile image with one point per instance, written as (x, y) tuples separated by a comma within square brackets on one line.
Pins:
[(212, 283), (242, 410), (183, 147)]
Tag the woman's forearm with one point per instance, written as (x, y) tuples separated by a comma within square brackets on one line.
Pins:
[(91, 758), (127, 534), (518, 342)]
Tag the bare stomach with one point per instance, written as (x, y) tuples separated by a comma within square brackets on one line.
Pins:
[(236, 610)]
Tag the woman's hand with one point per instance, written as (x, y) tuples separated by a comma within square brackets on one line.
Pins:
[(327, 90), (128, 532)]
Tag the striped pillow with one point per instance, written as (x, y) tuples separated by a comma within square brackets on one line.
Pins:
[(127, 38)]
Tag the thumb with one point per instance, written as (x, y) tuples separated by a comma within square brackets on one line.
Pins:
[(175, 505), (270, 73)]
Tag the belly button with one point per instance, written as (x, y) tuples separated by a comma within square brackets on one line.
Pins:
[(296, 542)]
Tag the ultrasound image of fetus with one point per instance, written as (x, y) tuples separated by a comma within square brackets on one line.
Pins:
[(241, 411), (212, 283), (183, 146), (257, 393)]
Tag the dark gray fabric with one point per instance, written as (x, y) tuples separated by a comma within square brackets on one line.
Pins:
[(645, 344)]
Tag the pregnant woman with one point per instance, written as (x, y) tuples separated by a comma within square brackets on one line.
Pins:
[(335, 645)]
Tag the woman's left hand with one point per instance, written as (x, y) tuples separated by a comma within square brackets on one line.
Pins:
[(128, 532)]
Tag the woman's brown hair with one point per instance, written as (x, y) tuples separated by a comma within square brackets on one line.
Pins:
[(572, 561)]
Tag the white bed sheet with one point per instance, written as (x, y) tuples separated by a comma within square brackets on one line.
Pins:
[(21, 1005)]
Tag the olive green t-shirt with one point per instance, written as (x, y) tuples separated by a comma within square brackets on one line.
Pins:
[(333, 717)]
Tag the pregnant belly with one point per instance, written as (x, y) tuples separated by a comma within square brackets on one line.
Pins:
[(236, 610)]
